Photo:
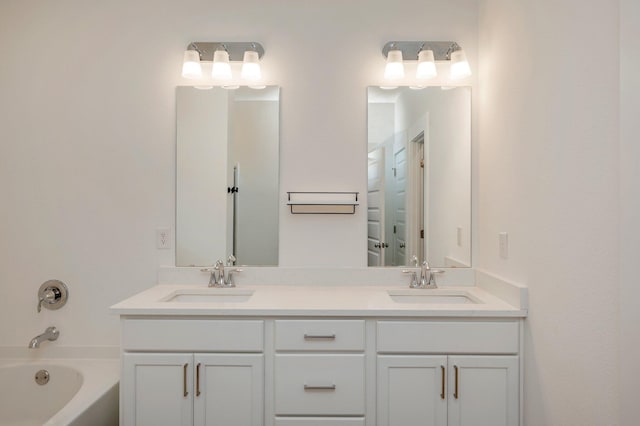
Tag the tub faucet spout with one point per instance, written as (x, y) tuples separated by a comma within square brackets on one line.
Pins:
[(51, 334)]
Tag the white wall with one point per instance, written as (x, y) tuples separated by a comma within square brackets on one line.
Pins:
[(629, 209), (380, 123), (548, 175), (87, 118)]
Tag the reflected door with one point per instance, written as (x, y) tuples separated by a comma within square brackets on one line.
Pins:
[(399, 206), (375, 210)]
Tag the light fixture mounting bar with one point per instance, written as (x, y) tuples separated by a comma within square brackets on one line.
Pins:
[(410, 49), (235, 49)]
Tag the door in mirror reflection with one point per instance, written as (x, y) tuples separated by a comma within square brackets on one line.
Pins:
[(419, 176), (227, 176)]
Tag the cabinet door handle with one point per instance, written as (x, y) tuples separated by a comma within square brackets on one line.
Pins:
[(319, 336), (456, 394), (326, 387), (185, 392), (198, 379), (442, 369)]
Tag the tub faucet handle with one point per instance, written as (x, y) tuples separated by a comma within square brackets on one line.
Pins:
[(49, 296), (52, 294)]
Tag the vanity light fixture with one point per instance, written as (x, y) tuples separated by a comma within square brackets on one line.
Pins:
[(251, 66), (221, 68), (218, 57), (191, 67), (394, 70), (426, 53), (459, 65), (426, 65)]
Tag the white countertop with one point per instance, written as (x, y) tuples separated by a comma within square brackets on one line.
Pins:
[(318, 300)]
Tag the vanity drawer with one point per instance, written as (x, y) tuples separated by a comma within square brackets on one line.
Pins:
[(319, 335), (319, 421), (192, 335), (325, 385), (475, 337)]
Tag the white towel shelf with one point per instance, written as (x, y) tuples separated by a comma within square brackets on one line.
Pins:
[(322, 202)]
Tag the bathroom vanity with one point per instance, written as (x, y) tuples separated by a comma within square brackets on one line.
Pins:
[(323, 355)]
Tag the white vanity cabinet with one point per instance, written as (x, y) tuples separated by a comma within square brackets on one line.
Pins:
[(156, 389), (485, 391), (277, 370), (447, 390), (319, 370), (222, 384), (411, 390), (418, 389)]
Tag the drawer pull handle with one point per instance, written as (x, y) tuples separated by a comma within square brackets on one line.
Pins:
[(443, 376), (326, 387), (456, 394), (184, 380), (198, 379), (319, 336)]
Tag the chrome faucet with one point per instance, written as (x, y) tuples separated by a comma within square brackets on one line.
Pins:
[(219, 277), (427, 277), (51, 334)]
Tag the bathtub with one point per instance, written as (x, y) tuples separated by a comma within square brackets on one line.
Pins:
[(79, 392)]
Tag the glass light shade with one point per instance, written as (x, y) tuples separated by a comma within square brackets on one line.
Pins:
[(426, 65), (191, 67), (251, 66), (221, 68), (459, 65), (394, 70)]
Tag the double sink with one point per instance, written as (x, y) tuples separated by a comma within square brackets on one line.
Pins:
[(239, 295)]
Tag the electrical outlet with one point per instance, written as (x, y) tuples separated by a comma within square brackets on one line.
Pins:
[(459, 235), (503, 239), (163, 238)]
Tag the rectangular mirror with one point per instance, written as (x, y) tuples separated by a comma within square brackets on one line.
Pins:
[(227, 175), (419, 176)]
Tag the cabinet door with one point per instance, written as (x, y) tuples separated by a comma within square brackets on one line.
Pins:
[(156, 390), (485, 391), (411, 391), (229, 390)]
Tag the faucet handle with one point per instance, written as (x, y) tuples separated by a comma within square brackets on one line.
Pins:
[(214, 267), (229, 282), (231, 260), (432, 276), (52, 295), (49, 296), (414, 278)]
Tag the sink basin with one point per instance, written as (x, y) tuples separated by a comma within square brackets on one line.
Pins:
[(209, 295), (432, 297)]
